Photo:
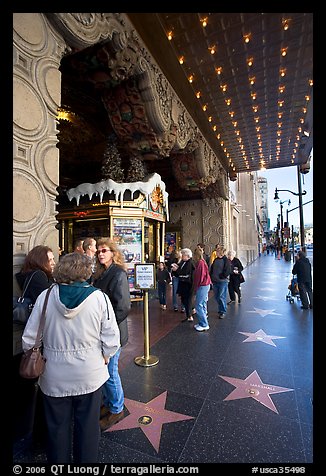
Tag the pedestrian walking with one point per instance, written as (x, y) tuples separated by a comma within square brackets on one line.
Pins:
[(235, 277), (219, 273), (302, 268), (201, 287), (163, 278)]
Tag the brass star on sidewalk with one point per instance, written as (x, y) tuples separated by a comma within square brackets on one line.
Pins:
[(264, 312), (149, 417), (254, 388), (260, 336)]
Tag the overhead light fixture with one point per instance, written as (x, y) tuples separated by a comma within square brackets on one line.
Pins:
[(203, 21), (246, 38)]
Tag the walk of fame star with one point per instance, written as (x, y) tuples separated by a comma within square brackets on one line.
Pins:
[(260, 336), (254, 388), (149, 417), (265, 312)]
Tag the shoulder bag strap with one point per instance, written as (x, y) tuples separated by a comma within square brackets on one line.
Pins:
[(26, 284), (38, 339), (106, 302)]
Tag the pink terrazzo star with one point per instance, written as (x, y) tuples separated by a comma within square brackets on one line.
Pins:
[(260, 336), (254, 388), (149, 417)]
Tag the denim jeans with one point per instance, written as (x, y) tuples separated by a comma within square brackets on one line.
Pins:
[(113, 396), (201, 305), (175, 282), (220, 291), (161, 289)]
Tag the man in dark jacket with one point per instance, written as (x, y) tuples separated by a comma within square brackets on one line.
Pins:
[(219, 272), (302, 269)]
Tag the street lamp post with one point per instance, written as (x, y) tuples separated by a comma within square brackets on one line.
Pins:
[(282, 224), (299, 194)]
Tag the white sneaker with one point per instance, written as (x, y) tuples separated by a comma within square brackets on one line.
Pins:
[(200, 328)]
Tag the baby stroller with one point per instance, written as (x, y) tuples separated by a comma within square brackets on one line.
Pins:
[(293, 290)]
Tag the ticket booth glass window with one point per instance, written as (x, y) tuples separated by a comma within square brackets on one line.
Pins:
[(94, 228)]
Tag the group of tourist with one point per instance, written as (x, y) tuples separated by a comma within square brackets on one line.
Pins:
[(193, 275), (85, 329)]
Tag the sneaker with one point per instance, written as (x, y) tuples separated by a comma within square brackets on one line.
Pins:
[(164, 307), (190, 318), (111, 419), (104, 411), (201, 328), (221, 315), (230, 302), (175, 309), (182, 310)]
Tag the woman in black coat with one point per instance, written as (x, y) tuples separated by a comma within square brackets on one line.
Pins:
[(111, 277), (38, 265), (234, 283)]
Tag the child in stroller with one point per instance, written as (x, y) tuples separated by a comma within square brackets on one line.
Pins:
[(293, 290)]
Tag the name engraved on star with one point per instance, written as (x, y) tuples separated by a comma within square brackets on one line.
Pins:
[(154, 410), (267, 387)]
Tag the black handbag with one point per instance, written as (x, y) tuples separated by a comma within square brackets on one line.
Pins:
[(22, 306)]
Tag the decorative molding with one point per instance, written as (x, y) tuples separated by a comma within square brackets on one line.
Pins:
[(81, 30)]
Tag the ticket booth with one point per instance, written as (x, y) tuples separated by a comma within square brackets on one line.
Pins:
[(132, 214)]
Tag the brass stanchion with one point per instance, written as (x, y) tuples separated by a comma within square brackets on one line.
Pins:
[(146, 360)]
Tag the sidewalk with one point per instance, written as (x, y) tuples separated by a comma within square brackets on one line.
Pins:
[(239, 393)]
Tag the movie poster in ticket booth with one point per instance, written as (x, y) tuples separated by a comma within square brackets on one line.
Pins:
[(127, 233)]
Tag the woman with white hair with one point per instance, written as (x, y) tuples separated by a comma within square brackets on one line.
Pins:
[(185, 270), (234, 282)]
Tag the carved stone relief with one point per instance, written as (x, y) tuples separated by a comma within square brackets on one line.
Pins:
[(129, 60), (35, 162)]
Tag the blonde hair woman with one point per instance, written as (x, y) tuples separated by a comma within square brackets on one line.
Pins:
[(202, 283), (111, 277)]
